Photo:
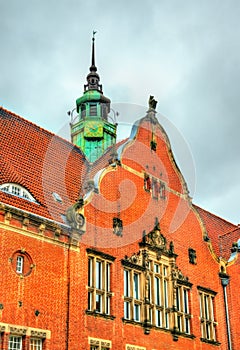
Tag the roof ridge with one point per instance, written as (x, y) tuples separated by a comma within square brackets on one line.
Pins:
[(217, 216)]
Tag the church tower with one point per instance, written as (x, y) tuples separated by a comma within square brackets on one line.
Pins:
[(91, 130)]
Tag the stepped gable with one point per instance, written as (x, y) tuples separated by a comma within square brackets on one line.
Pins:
[(159, 162), (216, 229), (42, 163)]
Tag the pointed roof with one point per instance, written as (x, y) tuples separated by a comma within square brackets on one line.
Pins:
[(93, 90), (93, 77)]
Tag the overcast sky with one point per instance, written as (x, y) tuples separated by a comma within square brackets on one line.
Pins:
[(185, 53)]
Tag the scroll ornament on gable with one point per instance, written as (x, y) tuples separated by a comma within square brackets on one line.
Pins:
[(75, 216), (155, 237)]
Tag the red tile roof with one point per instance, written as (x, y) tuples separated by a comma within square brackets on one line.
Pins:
[(217, 228), (41, 162)]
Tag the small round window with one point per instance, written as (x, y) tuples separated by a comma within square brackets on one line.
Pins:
[(22, 263)]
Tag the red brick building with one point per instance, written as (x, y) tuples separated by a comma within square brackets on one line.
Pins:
[(101, 245)]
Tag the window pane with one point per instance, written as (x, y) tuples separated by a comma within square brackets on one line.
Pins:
[(35, 344), (108, 305), (156, 268), (136, 285), (90, 271), (98, 274), (158, 318), (16, 190), (126, 283), (136, 315), (90, 294), (186, 308), (166, 320), (206, 306), (187, 325), (165, 293), (19, 267), (98, 303), (179, 322), (15, 343), (178, 291), (93, 109), (108, 277), (126, 310), (157, 291)]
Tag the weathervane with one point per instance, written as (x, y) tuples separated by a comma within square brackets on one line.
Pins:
[(94, 32)]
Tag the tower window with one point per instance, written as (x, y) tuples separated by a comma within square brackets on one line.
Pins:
[(83, 111), (93, 109)]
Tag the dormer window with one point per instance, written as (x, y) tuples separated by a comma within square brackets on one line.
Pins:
[(57, 197), (17, 190)]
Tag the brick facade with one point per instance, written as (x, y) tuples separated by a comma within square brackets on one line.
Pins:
[(141, 228)]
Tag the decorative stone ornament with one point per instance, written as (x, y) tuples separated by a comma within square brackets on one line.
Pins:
[(117, 227), (75, 216)]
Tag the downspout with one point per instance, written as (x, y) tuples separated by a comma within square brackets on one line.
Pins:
[(68, 292), (225, 280)]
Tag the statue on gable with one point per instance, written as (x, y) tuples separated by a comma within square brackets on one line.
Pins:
[(152, 102)]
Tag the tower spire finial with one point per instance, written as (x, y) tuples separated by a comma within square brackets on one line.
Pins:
[(93, 77), (93, 68)]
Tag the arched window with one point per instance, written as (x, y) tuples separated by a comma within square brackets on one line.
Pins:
[(17, 190)]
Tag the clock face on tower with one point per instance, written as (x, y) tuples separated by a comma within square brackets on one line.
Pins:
[(93, 129)]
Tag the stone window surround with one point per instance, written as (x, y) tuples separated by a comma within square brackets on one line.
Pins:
[(24, 331), (100, 343), (134, 347)]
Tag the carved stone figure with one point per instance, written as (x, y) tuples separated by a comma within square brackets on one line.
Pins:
[(75, 217), (152, 102)]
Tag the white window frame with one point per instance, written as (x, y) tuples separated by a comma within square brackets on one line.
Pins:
[(159, 293), (15, 340), (132, 295), (19, 264), (99, 285), (183, 313), (36, 344)]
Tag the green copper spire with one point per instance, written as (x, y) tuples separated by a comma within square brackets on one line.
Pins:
[(91, 130)]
